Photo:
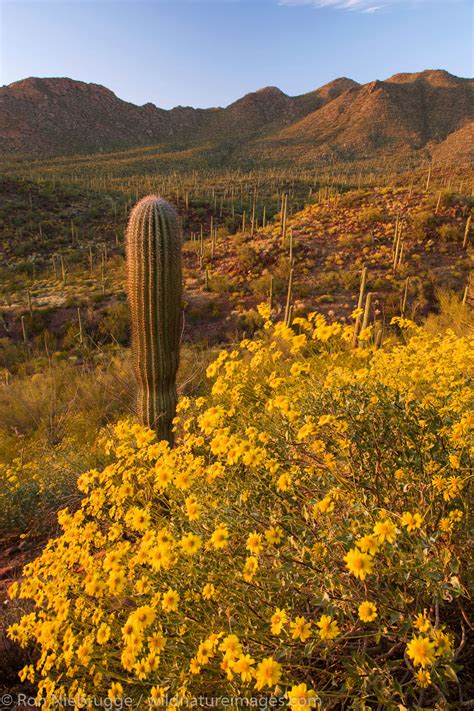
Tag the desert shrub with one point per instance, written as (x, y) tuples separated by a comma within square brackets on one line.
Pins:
[(71, 336), (392, 304), (324, 299), (448, 199), (348, 240), (200, 212), (48, 430), (306, 536), (248, 321), (452, 315), (421, 223), (379, 284), (10, 354), (350, 279), (281, 269), (353, 198), (303, 291), (261, 286), (71, 302), (329, 281), (422, 297), (221, 284), (248, 257), (12, 657), (231, 224), (371, 214), (115, 323), (37, 322), (48, 426), (449, 232), (204, 310)]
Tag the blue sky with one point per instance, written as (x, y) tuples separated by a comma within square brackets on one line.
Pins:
[(211, 52)]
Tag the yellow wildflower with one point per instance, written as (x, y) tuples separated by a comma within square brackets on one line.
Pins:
[(103, 633), (385, 531), (325, 505), (305, 431), (423, 678), (274, 534), (300, 629), (411, 521), (301, 697), (422, 623), (115, 692), (190, 544), (138, 519), (208, 591), (368, 544), (250, 568), (328, 628), (156, 642), (194, 666), (422, 651), (443, 643), (243, 666), (170, 601), (192, 508), (220, 537), (254, 543), (268, 673), (231, 646), (359, 564), (284, 482), (367, 611), (278, 619)]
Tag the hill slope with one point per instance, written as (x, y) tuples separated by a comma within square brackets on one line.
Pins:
[(406, 113), (401, 115), (65, 116)]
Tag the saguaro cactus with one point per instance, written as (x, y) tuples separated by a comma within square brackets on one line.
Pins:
[(153, 245)]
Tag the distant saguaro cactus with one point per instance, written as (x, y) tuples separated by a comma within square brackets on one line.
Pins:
[(153, 245)]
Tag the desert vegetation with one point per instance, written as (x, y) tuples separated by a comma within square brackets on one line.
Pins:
[(306, 536), (299, 529)]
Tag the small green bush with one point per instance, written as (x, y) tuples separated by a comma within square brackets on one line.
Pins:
[(449, 232)]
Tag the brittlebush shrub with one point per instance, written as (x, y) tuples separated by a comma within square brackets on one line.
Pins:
[(307, 535)]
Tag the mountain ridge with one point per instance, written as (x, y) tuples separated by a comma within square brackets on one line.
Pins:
[(408, 112)]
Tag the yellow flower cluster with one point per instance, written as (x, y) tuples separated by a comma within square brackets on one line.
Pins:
[(291, 543)]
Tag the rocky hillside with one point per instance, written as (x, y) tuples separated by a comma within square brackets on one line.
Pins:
[(428, 112), (405, 113), (64, 116)]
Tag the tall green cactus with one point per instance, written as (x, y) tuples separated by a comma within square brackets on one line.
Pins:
[(153, 244)]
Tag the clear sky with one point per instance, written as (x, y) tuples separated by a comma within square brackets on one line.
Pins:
[(211, 52)]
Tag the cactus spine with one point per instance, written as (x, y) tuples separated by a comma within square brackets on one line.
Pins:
[(154, 292)]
